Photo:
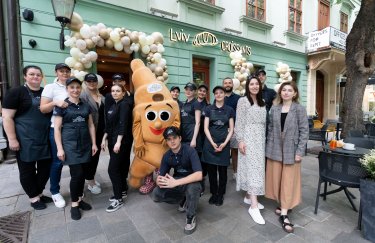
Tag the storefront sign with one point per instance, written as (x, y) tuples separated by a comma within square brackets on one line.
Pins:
[(327, 37), (208, 39)]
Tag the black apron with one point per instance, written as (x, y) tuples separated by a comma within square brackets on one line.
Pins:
[(188, 122), (200, 141), (32, 129), (218, 127), (75, 134)]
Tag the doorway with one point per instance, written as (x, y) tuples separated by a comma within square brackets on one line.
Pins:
[(110, 62), (319, 94), (201, 73)]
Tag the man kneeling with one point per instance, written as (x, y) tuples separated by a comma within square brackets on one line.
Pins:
[(184, 187)]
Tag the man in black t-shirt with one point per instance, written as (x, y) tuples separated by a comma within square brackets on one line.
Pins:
[(184, 186)]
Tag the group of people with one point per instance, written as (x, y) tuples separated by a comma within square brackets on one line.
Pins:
[(70, 122), (269, 129)]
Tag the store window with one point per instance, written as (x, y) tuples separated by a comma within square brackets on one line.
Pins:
[(201, 73), (343, 22), (295, 16), (256, 9)]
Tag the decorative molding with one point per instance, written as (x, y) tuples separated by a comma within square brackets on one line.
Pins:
[(229, 30), (294, 35), (197, 4), (162, 13), (255, 22), (349, 4)]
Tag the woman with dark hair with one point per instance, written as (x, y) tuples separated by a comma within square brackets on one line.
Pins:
[(218, 127), (91, 95), (75, 141), (288, 133), (250, 132), (27, 129), (118, 133)]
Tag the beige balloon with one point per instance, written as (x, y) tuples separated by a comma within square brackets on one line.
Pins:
[(89, 43), (76, 22), (165, 75), (159, 71), (160, 78), (78, 66), (104, 34), (109, 43)]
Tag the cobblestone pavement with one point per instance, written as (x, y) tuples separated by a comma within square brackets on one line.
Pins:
[(142, 220)]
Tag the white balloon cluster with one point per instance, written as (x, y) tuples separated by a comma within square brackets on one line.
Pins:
[(84, 37), (242, 70), (284, 72)]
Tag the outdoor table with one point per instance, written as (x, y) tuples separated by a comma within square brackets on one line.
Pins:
[(358, 152)]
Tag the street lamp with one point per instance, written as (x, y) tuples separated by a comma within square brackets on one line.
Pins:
[(63, 10)]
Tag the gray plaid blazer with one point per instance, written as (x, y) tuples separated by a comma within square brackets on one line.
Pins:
[(295, 136)]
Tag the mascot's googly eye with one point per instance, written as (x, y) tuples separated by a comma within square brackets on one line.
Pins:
[(151, 115), (164, 115)]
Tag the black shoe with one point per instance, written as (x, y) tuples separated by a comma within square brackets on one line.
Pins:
[(115, 205), (212, 199), (75, 213), (124, 195), (220, 200), (46, 199), (38, 205), (84, 206), (191, 225)]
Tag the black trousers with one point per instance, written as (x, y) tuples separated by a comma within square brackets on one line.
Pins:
[(118, 168), (90, 170), (33, 175), (77, 181), (215, 187)]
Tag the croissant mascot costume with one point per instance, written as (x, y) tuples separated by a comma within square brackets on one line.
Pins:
[(154, 110)]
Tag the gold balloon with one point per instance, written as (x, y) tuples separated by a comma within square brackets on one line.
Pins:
[(104, 34), (160, 78), (165, 76), (89, 44), (76, 22), (109, 43), (159, 71)]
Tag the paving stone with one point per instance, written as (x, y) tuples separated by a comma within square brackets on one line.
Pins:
[(8, 201), (84, 228), (291, 238), (354, 236), (241, 231), (186, 239), (51, 208), (133, 237), (309, 236), (270, 231), (106, 218), (320, 216), (155, 235), (52, 235), (218, 238), (257, 239), (55, 219), (174, 232), (119, 228), (6, 210), (96, 239)]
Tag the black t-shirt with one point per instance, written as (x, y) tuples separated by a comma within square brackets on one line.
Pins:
[(19, 99)]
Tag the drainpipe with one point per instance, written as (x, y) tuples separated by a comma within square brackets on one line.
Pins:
[(14, 51), (3, 59)]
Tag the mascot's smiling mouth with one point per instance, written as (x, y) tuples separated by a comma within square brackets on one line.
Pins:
[(157, 131)]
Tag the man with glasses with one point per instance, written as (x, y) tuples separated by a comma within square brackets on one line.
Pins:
[(54, 95)]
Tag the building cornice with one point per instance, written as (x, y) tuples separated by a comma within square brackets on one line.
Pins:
[(203, 6), (255, 22)]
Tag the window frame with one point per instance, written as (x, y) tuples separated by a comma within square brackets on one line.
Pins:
[(256, 10), (209, 1), (294, 9), (342, 23)]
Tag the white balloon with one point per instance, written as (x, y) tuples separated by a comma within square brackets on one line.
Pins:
[(93, 56), (158, 37), (94, 29), (101, 26), (87, 65), (290, 78), (127, 50), (100, 42), (233, 62), (236, 83), (85, 31), (136, 47), (142, 40), (146, 49), (157, 57), (80, 75), (152, 66), (100, 81), (81, 44), (153, 48), (114, 36), (68, 43), (161, 48), (162, 63), (70, 61), (232, 55), (125, 40), (150, 40), (84, 60), (250, 65), (74, 52), (118, 46)]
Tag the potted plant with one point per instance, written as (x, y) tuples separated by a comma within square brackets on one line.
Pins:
[(367, 189)]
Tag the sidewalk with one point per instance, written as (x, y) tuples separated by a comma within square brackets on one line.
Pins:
[(142, 220)]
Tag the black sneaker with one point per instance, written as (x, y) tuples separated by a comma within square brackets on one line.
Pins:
[(75, 213), (124, 195), (212, 199), (46, 199), (191, 225), (38, 205), (115, 205), (84, 206), (219, 200)]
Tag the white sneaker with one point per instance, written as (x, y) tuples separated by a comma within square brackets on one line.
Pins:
[(256, 216), (58, 200), (97, 183), (94, 189), (234, 176), (248, 201)]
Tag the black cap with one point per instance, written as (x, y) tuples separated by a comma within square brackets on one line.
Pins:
[(61, 65), (203, 86), (171, 131), (191, 86), (175, 87), (261, 71), (72, 80), (118, 76), (218, 87), (91, 76)]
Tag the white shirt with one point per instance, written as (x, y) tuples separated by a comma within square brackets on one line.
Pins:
[(55, 91)]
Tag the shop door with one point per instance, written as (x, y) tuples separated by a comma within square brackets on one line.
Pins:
[(110, 62), (201, 73), (323, 18), (319, 103)]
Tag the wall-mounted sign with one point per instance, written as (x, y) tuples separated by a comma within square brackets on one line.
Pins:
[(208, 39), (327, 37)]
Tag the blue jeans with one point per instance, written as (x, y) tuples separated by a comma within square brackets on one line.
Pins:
[(56, 167)]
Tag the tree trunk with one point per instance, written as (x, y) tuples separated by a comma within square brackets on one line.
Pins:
[(360, 64)]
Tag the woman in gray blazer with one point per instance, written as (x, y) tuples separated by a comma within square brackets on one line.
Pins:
[(287, 137)]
